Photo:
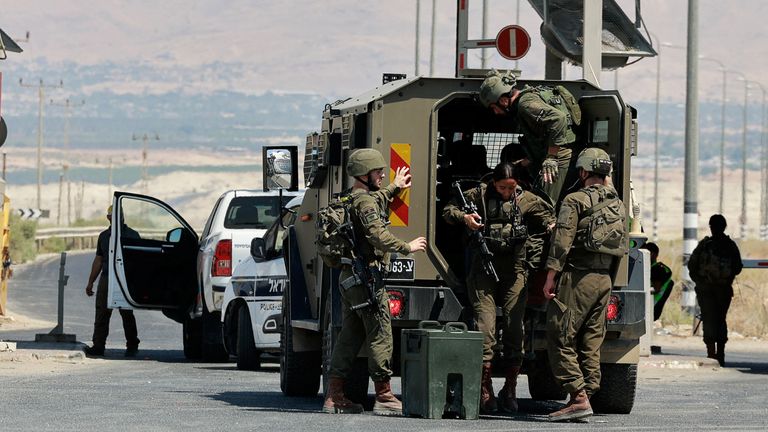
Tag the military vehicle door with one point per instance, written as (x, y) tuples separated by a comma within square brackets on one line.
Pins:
[(152, 256)]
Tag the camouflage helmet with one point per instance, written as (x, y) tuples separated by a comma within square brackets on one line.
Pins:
[(594, 160), (363, 161), (495, 86)]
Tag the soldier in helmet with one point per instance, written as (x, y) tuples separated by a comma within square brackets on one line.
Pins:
[(507, 213), (546, 117), (369, 327), (576, 311)]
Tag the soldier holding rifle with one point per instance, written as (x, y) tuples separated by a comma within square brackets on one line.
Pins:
[(501, 211)]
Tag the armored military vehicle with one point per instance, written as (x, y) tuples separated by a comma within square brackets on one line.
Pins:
[(438, 128)]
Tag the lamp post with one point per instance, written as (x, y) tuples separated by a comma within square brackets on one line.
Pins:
[(743, 215), (722, 131), (656, 145), (763, 163)]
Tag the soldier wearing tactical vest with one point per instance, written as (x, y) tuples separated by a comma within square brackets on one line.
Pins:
[(576, 311), (713, 265), (369, 327), (507, 212), (546, 117)]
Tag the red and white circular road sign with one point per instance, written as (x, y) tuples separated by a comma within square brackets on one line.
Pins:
[(513, 42)]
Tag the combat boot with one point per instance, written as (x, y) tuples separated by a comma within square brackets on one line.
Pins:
[(386, 403), (487, 399), (711, 350), (578, 407), (507, 396), (720, 355), (336, 402)]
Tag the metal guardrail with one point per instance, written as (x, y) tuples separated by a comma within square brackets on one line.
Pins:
[(754, 263)]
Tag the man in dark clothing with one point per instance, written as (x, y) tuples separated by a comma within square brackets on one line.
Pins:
[(100, 265), (713, 266), (661, 280)]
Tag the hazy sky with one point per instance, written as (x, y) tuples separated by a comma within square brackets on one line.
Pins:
[(341, 47)]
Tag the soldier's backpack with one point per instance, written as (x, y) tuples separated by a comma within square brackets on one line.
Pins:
[(715, 263), (562, 99), (602, 228), (332, 243)]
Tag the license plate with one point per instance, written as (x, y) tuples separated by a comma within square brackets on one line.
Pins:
[(401, 269)]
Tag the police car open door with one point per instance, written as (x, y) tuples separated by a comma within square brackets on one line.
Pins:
[(152, 256)]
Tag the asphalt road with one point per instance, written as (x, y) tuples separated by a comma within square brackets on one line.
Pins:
[(161, 391)]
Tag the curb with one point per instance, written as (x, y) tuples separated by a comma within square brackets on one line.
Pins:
[(677, 362), (31, 351)]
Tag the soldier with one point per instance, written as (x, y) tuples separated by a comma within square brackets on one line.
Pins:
[(506, 213), (576, 311), (100, 269), (545, 116), (369, 327), (714, 265)]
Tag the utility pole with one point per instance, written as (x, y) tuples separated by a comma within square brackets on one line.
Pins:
[(418, 18), (69, 195), (656, 145), (68, 105), (691, 190), (144, 172), (432, 40), (109, 189), (41, 95), (485, 33), (61, 193)]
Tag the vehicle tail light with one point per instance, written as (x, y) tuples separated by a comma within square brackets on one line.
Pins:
[(396, 303), (222, 259), (613, 311)]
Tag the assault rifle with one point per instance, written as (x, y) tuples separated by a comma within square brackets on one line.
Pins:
[(476, 236), (362, 273)]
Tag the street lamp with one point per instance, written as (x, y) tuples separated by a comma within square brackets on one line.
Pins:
[(743, 216), (763, 165), (656, 144), (722, 131)]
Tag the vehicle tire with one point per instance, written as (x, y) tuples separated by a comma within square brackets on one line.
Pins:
[(213, 339), (248, 357), (541, 381), (299, 371), (617, 389), (192, 338)]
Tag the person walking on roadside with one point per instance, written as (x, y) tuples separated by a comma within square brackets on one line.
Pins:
[(505, 215), (713, 266), (590, 234), (100, 269), (368, 327)]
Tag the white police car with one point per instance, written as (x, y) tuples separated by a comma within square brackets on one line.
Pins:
[(252, 303)]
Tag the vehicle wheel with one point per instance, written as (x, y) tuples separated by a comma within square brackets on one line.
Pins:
[(213, 340), (299, 371), (617, 389), (248, 357), (541, 382)]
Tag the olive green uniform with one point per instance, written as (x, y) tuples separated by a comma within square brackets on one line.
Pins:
[(576, 316), (544, 125), (503, 221), (714, 296), (369, 327)]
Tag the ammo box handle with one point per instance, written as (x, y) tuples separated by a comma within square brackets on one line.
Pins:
[(455, 327), (429, 324)]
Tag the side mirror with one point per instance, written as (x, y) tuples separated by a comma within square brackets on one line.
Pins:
[(174, 235), (280, 168), (259, 249)]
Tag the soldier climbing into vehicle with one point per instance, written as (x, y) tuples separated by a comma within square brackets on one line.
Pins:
[(546, 116)]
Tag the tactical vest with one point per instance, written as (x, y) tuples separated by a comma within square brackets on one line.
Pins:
[(369, 253), (504, 228), (558, 97)]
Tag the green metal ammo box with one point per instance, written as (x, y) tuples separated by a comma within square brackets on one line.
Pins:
[(441, 368)]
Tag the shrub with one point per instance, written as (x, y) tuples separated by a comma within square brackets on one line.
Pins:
[(22, 245)]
